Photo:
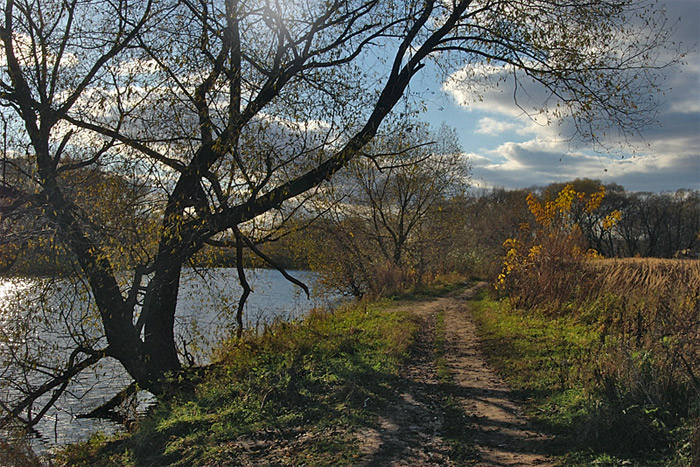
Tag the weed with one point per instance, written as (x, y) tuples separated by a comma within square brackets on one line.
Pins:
[(641, 372), (611, 398)]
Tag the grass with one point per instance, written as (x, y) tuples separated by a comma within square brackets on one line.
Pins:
[(610, 371), (564, 365), (439, 286), (294, 394)]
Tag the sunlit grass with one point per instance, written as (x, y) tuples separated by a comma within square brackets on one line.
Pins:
[(325, 376), (595, 373)]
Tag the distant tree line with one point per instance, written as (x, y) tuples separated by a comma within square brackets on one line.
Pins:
[(665, 225), (661, 225), (464, 233)]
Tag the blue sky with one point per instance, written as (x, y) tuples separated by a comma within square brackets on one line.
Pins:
[(507, 149)]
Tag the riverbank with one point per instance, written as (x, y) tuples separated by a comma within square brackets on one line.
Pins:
[(399, 382), (410, 381), (294, 393), (47, 311)]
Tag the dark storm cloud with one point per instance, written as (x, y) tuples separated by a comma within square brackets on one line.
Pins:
[(665, 157)]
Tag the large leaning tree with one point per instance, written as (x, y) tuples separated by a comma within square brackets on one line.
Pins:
[(223, 115)]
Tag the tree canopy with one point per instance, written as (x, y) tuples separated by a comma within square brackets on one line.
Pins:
[(379, 228)]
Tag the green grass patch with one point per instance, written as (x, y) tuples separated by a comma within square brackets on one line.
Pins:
[(555, 363), (296, 392)]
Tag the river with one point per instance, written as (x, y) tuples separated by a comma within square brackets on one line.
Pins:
[(205, 314)]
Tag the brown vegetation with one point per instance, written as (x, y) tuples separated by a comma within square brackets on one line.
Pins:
[(642, 359), (649, 309), (639, 319)]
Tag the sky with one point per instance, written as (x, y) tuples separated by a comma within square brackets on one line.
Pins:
[(507, 149)]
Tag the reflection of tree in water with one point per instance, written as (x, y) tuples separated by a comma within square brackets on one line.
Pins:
[(207, 305)]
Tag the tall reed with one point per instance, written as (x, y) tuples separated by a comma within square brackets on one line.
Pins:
[(644, 366)]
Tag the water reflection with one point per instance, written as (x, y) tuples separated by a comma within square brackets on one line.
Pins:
[(207, 303)]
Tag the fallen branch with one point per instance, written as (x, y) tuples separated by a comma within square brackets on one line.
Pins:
[(106, 410)]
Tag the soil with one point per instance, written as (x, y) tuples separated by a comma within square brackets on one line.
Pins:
[(418, 427), (411, 430)]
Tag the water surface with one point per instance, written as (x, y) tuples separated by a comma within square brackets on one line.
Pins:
[(207, 303)]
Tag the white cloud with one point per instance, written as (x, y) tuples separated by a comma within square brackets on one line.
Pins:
[(491, 126), (517, 165), (665, 157)]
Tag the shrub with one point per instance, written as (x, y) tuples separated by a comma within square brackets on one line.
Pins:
[(538, 264), (644, 367)]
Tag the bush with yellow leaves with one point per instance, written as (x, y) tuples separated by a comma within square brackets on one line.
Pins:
[(538, 265)]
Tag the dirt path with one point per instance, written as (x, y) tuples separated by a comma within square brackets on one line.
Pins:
[(411, 431)]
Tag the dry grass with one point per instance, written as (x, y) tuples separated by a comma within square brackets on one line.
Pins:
[(16, 451), (643, 363), (648, 314), (655, 275), (647, 363)]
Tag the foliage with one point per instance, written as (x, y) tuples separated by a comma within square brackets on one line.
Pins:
[(614, 368), (662, 225), (488, 218), (384, 225), (324, 376), (627, 359), (15, 450), (535, 265)]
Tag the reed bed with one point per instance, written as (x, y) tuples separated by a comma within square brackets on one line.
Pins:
[(643, 366), (646, 362), (649, 305), (656, 275)]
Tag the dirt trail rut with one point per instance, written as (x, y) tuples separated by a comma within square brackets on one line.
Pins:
[(410, 431)]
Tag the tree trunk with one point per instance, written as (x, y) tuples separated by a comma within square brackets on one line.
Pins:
[(159, 311)]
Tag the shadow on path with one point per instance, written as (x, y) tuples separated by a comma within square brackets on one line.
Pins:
[(477, 403)]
